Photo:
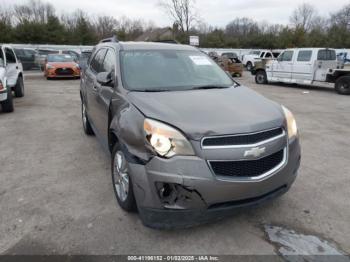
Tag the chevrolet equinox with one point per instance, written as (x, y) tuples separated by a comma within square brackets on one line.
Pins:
[(188, 144)]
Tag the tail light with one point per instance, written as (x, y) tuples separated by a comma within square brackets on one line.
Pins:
[(1, 86)]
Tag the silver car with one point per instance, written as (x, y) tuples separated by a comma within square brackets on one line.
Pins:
[(188, 144)]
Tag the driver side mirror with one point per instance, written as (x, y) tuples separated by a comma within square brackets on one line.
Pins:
[(105, 79), (280, 58)]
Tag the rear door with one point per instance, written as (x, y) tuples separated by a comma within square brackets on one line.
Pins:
[(303, 70), (326, 59), (283, 67), (12, 67)]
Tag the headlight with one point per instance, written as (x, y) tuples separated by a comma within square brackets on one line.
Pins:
[(166, 140), (291, 123)]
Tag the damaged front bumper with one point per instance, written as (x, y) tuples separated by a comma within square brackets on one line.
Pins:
[(183, 191)]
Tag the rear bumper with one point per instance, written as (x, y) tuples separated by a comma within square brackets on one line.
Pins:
[(200, 196)]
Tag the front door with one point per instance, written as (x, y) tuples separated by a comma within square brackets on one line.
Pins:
[(103, 94), (91, 72), (283, 67), (11, 67), (303, 70)]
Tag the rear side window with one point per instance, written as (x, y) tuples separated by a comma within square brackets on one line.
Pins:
[(97, 61), (287, 56), (262, 54), (10, 56), (304, 56), (326, 55)]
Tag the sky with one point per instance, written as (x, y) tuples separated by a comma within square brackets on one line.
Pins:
[(213, 12)]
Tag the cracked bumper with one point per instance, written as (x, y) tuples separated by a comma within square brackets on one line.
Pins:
[(207, 197)]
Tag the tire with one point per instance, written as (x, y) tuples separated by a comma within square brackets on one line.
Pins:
[(7, 105), (121, 180), (19, 88), (249, 66), (261, 78), (342, 85), (86, 123)]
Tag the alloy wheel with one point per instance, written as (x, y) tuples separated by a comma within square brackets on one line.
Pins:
[(121, 176)]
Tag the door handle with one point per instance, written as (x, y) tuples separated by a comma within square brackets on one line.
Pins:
[(16, 67)]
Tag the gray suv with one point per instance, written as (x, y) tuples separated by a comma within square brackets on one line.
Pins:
[(188, 144)]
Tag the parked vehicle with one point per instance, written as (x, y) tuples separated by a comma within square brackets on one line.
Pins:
[(11, 78), (343, 56), (41, 59), (188, 143), (27, 56), (306, 66), (231, 64), (254, 56), (61, 66), (83, 59)]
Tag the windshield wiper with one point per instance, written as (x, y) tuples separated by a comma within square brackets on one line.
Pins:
[(209, 87)]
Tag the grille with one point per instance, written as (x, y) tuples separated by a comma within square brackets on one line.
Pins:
[(247, 168), (66, 71), (245, 139)]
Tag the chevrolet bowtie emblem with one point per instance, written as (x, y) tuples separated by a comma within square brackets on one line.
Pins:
[(255, 152)]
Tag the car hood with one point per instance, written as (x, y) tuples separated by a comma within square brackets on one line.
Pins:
[(62, 64), (210, 112)]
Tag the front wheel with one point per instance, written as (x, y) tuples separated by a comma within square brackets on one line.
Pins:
[(261, 78), (342, 85), (249, 66), (19, 88), (121, 179)]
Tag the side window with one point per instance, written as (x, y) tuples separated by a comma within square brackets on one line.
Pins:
[(287, 56), (268, 55), (262, 54), (109, 62), (326, 55), (304, 56), (96, 62), (10, 56)]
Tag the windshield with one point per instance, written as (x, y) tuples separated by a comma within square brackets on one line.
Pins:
[(59, 58), (170, 70)]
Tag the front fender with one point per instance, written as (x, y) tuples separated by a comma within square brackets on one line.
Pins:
[(127, 126)]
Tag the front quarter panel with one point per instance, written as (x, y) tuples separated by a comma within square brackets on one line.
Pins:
[(127, 126)]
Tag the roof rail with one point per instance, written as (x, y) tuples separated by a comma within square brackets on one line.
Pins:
[(113, 39)]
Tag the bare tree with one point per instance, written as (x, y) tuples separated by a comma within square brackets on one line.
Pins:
[(34, 11), (182, 12), (303, 16), (342, 17), (106, 26), (242, 27)]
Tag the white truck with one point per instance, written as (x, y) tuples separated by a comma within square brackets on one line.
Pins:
[(11, 77), (305, 66), (252, 57)]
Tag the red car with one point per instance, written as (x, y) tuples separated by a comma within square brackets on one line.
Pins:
[(60, 65)]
